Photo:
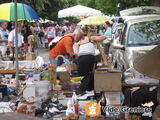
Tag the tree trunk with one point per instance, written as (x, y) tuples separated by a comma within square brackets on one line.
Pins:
[(156, 3)]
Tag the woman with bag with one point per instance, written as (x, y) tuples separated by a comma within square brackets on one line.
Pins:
[(86, 61)]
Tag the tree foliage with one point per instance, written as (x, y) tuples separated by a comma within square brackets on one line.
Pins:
[(49, 8), (111, 7)]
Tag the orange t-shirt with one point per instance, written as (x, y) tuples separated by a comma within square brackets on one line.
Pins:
[(63, 47)]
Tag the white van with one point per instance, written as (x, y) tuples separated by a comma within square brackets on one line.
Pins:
[(137, 35)]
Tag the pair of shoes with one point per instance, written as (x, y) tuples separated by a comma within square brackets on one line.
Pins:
[(86, 92), (85, 95), (48, 102), (50, 108), (56, 107)]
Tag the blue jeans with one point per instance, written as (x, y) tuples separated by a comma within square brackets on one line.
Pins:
[(55, 62)]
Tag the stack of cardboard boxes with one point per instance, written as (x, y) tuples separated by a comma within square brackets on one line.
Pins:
[(110, 84)]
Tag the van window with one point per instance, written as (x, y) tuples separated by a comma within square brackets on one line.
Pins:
[(144, 33), (123, 38)]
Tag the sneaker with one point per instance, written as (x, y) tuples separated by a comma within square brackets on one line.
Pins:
[(90, 92), (80, 93), (53, 110), (86, 96), (86, 92), (59, 107)]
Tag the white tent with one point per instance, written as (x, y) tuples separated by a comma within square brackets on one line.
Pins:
[(78, 11)]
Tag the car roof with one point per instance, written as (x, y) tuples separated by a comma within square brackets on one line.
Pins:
[(141, 18), (140, 10)]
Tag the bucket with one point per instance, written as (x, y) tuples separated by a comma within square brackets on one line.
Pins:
[(42, 88)]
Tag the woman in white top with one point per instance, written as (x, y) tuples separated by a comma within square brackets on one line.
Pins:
[(86, 61)]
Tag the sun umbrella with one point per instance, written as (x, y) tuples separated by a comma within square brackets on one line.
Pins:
[(78, 10), (94, 20), (13, 12), (3, 20), (24, 12)]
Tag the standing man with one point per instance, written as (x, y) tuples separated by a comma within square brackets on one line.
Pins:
[(3, 37), (12, 41), (65, 46)]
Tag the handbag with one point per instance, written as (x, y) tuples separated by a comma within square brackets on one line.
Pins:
[(97, 52)]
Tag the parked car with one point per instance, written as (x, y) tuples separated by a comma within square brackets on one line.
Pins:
[(137, 35)]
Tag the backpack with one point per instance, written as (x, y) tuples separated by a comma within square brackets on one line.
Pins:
[(54, 42)]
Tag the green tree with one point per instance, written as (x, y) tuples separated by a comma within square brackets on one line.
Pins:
[(38, 5), (89, 3), (111, 7), (5, 1), (49, 8)]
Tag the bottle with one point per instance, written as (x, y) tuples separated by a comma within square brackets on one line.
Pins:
[(74, 96), (75, 102), (69, 111), (103, 104), (30, 78)]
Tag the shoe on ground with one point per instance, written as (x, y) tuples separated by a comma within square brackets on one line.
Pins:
[(57, 107), (85, 92), (85, 96)]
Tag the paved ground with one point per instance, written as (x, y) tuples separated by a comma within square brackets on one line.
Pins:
[(17, 116)]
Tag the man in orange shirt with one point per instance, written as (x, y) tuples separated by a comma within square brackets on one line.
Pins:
[(65, 46)]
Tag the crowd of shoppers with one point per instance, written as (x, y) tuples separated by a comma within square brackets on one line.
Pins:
[(33, 35), (30, 35)]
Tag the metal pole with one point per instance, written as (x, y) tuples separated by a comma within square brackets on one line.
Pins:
[(16, 41), (159, 91)]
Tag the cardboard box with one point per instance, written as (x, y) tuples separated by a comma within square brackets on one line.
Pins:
[(156, 114), (113, 98), (64, 78), (107, 81), (31, 56)]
